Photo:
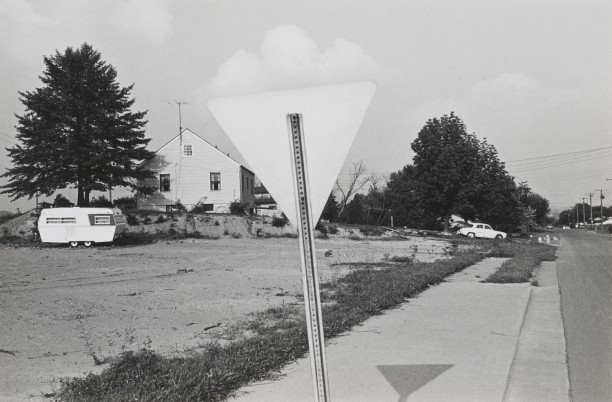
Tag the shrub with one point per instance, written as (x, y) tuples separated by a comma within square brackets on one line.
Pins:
[(147, 220), (279, 222), (404, 259), (100, 202), (321, 228), (61, 201), (125, 202), (7, 217), (238, 208), (131, 220), (180, 207), (160, 219), (201, 207)]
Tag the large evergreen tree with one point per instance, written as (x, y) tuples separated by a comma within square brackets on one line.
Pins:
[(77, 131)]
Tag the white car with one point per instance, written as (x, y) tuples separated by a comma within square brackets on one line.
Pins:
[(481, 230)]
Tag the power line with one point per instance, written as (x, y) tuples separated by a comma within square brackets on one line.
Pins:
[(574, 175), (551, 164), (555, 155)]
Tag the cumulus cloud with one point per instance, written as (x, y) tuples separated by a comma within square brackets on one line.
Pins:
[(289, 58)]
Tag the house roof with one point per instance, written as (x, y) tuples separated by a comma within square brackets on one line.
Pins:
[(206, 142)]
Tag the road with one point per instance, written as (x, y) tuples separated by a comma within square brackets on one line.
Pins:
[(584, 270)]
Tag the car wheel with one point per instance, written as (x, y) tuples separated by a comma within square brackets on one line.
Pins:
[(74, 244), (499, 237), (88, 243), (471, 235)]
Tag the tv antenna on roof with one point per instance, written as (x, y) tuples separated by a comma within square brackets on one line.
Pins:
[(179, 103)]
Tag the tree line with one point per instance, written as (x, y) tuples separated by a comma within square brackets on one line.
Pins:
[(453, 172)]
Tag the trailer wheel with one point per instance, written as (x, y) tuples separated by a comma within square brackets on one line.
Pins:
[(88, 243), (74, 244)]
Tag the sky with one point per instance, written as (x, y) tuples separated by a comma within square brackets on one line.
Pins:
[(532, 77)]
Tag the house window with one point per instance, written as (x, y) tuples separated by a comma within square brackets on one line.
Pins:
[(215, 181), (164, 183), (208, 207), (187, 150)]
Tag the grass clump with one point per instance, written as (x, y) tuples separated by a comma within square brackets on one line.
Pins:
[(524, 259)]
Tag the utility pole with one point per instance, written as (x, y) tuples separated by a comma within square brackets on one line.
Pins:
[(583, 211), (601, 197), (591, 207)]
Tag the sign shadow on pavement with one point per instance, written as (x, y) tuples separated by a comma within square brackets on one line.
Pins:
[(408, 378)]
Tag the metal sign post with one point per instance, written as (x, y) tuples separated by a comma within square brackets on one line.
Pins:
[(310, 279), (257, 122)]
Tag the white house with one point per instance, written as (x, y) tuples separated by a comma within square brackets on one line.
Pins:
[(191, 170)]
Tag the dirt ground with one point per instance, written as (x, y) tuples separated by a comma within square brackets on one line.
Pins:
[(59, 306)]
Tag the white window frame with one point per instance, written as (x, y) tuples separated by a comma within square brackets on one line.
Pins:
[(217, 182)]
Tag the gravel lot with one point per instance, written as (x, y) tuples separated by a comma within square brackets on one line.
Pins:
[(58, 305)]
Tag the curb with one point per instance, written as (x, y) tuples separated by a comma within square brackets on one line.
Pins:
[(539, 369)]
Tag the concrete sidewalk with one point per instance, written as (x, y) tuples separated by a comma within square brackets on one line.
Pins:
[(455, 342)]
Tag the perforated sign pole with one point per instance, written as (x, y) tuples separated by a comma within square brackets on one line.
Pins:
[(314, 318)]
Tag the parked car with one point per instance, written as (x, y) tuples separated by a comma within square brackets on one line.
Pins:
[(481, 230)]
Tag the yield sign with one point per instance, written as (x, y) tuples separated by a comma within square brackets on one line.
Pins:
[(257, 125)]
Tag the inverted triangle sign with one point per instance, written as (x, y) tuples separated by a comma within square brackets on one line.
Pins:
[(257, 125)]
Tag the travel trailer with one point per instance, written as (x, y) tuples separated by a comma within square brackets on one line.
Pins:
[(80, 225)]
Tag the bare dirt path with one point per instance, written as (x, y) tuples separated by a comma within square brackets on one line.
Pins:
[(59, 307)]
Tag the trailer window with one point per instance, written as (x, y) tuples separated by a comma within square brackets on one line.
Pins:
[(52, 221), (102, 220)]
